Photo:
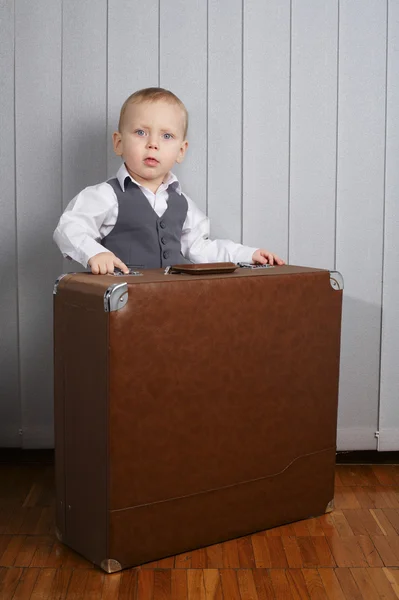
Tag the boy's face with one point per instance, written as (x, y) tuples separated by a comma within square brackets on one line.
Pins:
[(151, 141)]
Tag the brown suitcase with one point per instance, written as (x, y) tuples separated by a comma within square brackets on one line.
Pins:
[(192, 410)]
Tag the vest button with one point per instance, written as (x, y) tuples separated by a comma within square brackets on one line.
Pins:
[(166, 253), (162, 224), (163, 240)]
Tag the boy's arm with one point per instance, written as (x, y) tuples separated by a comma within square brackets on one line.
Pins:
[(85, 221), (197, 247)]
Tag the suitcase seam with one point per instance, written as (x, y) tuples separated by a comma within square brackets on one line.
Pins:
[(225, 487)]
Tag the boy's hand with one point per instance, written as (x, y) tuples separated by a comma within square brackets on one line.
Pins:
[(104, 263), (263, 257)]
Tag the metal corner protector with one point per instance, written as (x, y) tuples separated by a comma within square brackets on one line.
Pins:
[(57, 281), (115, 297), (336, 280), (110, 565), (330, 506)]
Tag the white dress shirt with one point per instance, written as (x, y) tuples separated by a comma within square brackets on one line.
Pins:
[(93, 213)]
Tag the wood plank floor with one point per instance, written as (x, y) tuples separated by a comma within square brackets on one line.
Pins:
[(351, 553)]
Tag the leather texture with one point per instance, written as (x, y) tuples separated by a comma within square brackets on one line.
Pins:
[(211, 412)]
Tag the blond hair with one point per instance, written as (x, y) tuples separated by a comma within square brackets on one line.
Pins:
[(153, 94)]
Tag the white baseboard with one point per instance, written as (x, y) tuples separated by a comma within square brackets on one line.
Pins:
[(362, 438), (352, 438), (388, 440)]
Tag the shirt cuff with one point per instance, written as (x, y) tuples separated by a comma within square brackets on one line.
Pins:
[(244, 254), (89, 249)]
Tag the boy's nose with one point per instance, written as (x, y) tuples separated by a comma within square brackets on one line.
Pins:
[(152, 143)]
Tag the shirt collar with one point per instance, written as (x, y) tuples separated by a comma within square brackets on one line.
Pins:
[(170, 178)]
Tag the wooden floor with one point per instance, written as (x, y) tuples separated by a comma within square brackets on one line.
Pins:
[(352, 552)]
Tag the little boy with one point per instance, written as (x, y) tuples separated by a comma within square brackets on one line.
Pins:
[(141, 218)]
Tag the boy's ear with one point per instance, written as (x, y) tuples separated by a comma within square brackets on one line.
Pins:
[(182, 151), (117, 143)]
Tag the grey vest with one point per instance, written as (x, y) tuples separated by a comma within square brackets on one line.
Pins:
[(141, 238)]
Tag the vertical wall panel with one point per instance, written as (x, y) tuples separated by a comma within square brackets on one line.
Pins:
[(38, 155), (313, 132), (10, 409), (133, 56), (389, 400), (266, 124), (183, 70), (250, 88), (84, 95), (360, 198), (225, 118)]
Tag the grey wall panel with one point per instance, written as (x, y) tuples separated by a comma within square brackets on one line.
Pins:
[(84, 95), (10, 409), (266, 124), (231, 62), (360, 200), (313, 132), (84, 99), (389, 399), (183, 70), (38, 155), (133, 57), (225, 118)]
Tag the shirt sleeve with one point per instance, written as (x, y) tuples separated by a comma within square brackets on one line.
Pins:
[(198, 248), (86, 220)]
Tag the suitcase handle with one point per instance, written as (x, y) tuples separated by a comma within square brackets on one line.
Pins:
[(202, 269)]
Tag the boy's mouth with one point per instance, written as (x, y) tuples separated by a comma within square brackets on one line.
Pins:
[(150, 161)]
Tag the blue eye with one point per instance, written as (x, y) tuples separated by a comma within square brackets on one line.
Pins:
[(168, 136), (140, 132)]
